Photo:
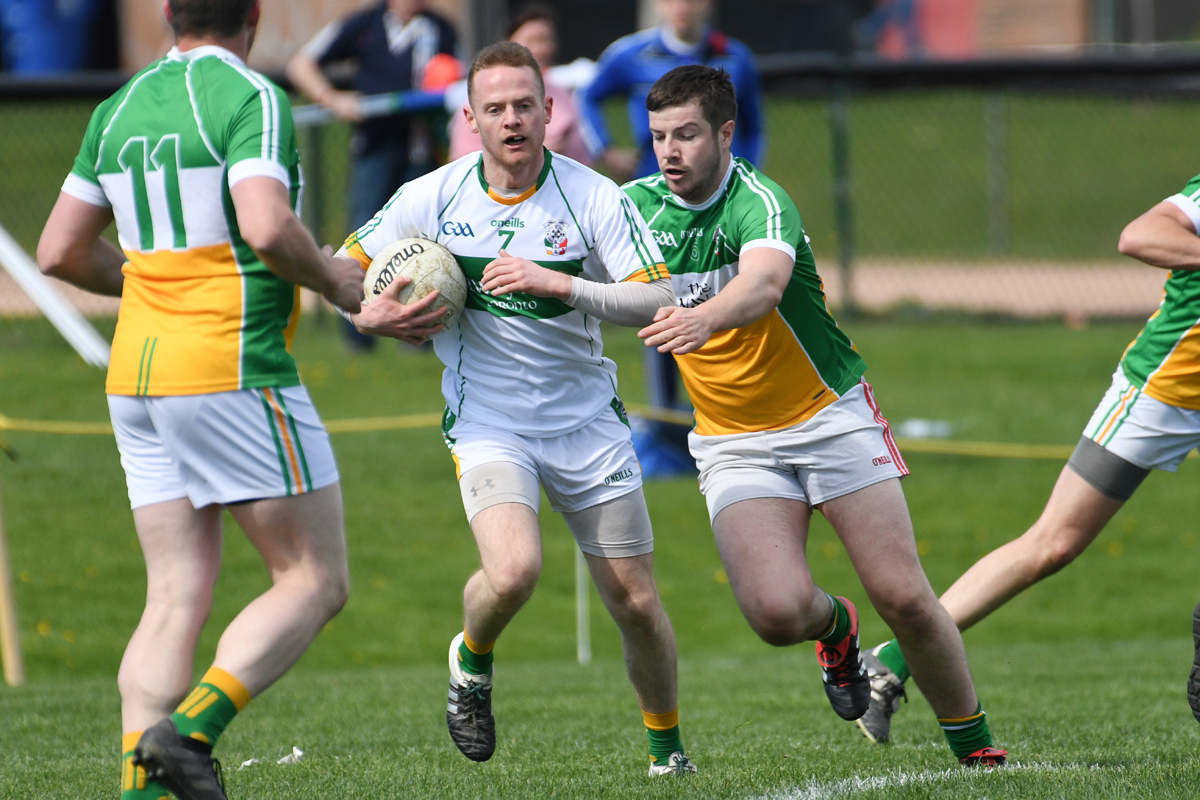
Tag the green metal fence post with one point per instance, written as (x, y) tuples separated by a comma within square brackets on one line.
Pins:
[(997, 171), (839, 122)]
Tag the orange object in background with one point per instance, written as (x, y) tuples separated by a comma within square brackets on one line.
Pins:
[(441, 71)]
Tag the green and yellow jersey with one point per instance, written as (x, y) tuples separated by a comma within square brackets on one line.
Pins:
[(200, 312), (1164, 360), (787, 366)]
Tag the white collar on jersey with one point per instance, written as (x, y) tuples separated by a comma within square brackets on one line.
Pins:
[(715, 195), (401, 36), (204, 50), (678, 46)]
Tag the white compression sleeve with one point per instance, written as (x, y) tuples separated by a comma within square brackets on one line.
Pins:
[(630, 303)]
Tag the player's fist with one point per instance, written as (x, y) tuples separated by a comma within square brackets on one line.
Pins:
[(387, 316), (677, 330), (508, 274), (345, 286)]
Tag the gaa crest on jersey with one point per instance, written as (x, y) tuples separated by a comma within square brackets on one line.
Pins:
[(556, 237)]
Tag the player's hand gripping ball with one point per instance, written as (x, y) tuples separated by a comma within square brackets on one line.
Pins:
[(429, 265)]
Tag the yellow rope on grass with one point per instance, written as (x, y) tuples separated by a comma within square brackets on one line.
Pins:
[(949, 447)]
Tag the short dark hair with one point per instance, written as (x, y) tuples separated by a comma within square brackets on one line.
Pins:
[(217, 17), (531, 12), (504, 54), (710, 88)]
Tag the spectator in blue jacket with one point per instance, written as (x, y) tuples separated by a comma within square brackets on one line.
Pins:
[(632, 64), (629, 67), (391, 43)]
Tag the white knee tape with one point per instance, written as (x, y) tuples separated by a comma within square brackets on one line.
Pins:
[(498, 482)]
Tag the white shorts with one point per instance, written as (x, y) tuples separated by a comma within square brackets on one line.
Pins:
[(577, 470), (225, 447), (1145, 432), (844, 447)]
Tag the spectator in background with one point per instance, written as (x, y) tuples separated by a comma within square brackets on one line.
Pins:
[(392, 44), (535, 26), (632, 64)]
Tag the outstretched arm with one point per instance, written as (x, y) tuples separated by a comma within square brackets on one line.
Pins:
[(71, 248), (629, 303), (273, 231), (763, 274), (1163, 237)]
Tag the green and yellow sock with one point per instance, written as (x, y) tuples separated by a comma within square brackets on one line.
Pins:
[(212, 705), (968, 734), (134, 785), (476, 659), (839, 628), (893, 659), (663, 731)]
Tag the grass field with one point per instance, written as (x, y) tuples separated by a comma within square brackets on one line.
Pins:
[(1076, 169), (1083, 675)]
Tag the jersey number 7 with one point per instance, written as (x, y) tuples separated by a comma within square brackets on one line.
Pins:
[(507, 241)]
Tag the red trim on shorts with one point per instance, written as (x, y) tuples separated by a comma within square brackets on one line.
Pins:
[(887, 429)]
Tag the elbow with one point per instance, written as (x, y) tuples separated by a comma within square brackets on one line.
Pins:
[(264, 240), (775, 295), (1131, 242), (52, 261)]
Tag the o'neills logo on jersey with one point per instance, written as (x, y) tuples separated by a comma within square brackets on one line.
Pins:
[(392, 268), (556, 237), (515, 222), (617, 477), (879, 462)]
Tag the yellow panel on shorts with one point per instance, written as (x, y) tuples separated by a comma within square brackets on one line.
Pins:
[(179, 327), (755, 378), (1177, 381)]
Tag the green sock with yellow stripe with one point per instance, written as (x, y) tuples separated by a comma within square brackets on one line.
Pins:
[(134, 785), (663, 732), (969, 734), (216, 700)]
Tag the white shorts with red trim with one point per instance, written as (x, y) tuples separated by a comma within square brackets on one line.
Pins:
[(844, 447), (1142, 430), (224, 447)]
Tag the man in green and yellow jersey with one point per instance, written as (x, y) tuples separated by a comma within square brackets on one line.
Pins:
[(195, 159), (784, 421), (1148, 419)]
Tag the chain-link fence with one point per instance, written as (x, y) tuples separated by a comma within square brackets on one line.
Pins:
[(983, 188)]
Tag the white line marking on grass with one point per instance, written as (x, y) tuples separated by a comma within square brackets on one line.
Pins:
[(848, 787)]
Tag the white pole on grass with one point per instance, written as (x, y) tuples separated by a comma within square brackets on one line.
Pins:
[(10, 642), (583, 633), (64, 316)]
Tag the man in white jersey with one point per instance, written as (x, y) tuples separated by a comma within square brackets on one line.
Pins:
[(530, 397), (1148, 419), (196, 160)]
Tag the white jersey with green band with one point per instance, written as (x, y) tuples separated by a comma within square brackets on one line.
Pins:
[(531, 365), (1164, 360)]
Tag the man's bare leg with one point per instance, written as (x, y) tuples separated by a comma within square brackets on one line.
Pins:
[(1074, 516), (510, 551), (182, 549), (761, 542), (627, 587), (303, 543), (874, 525)]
